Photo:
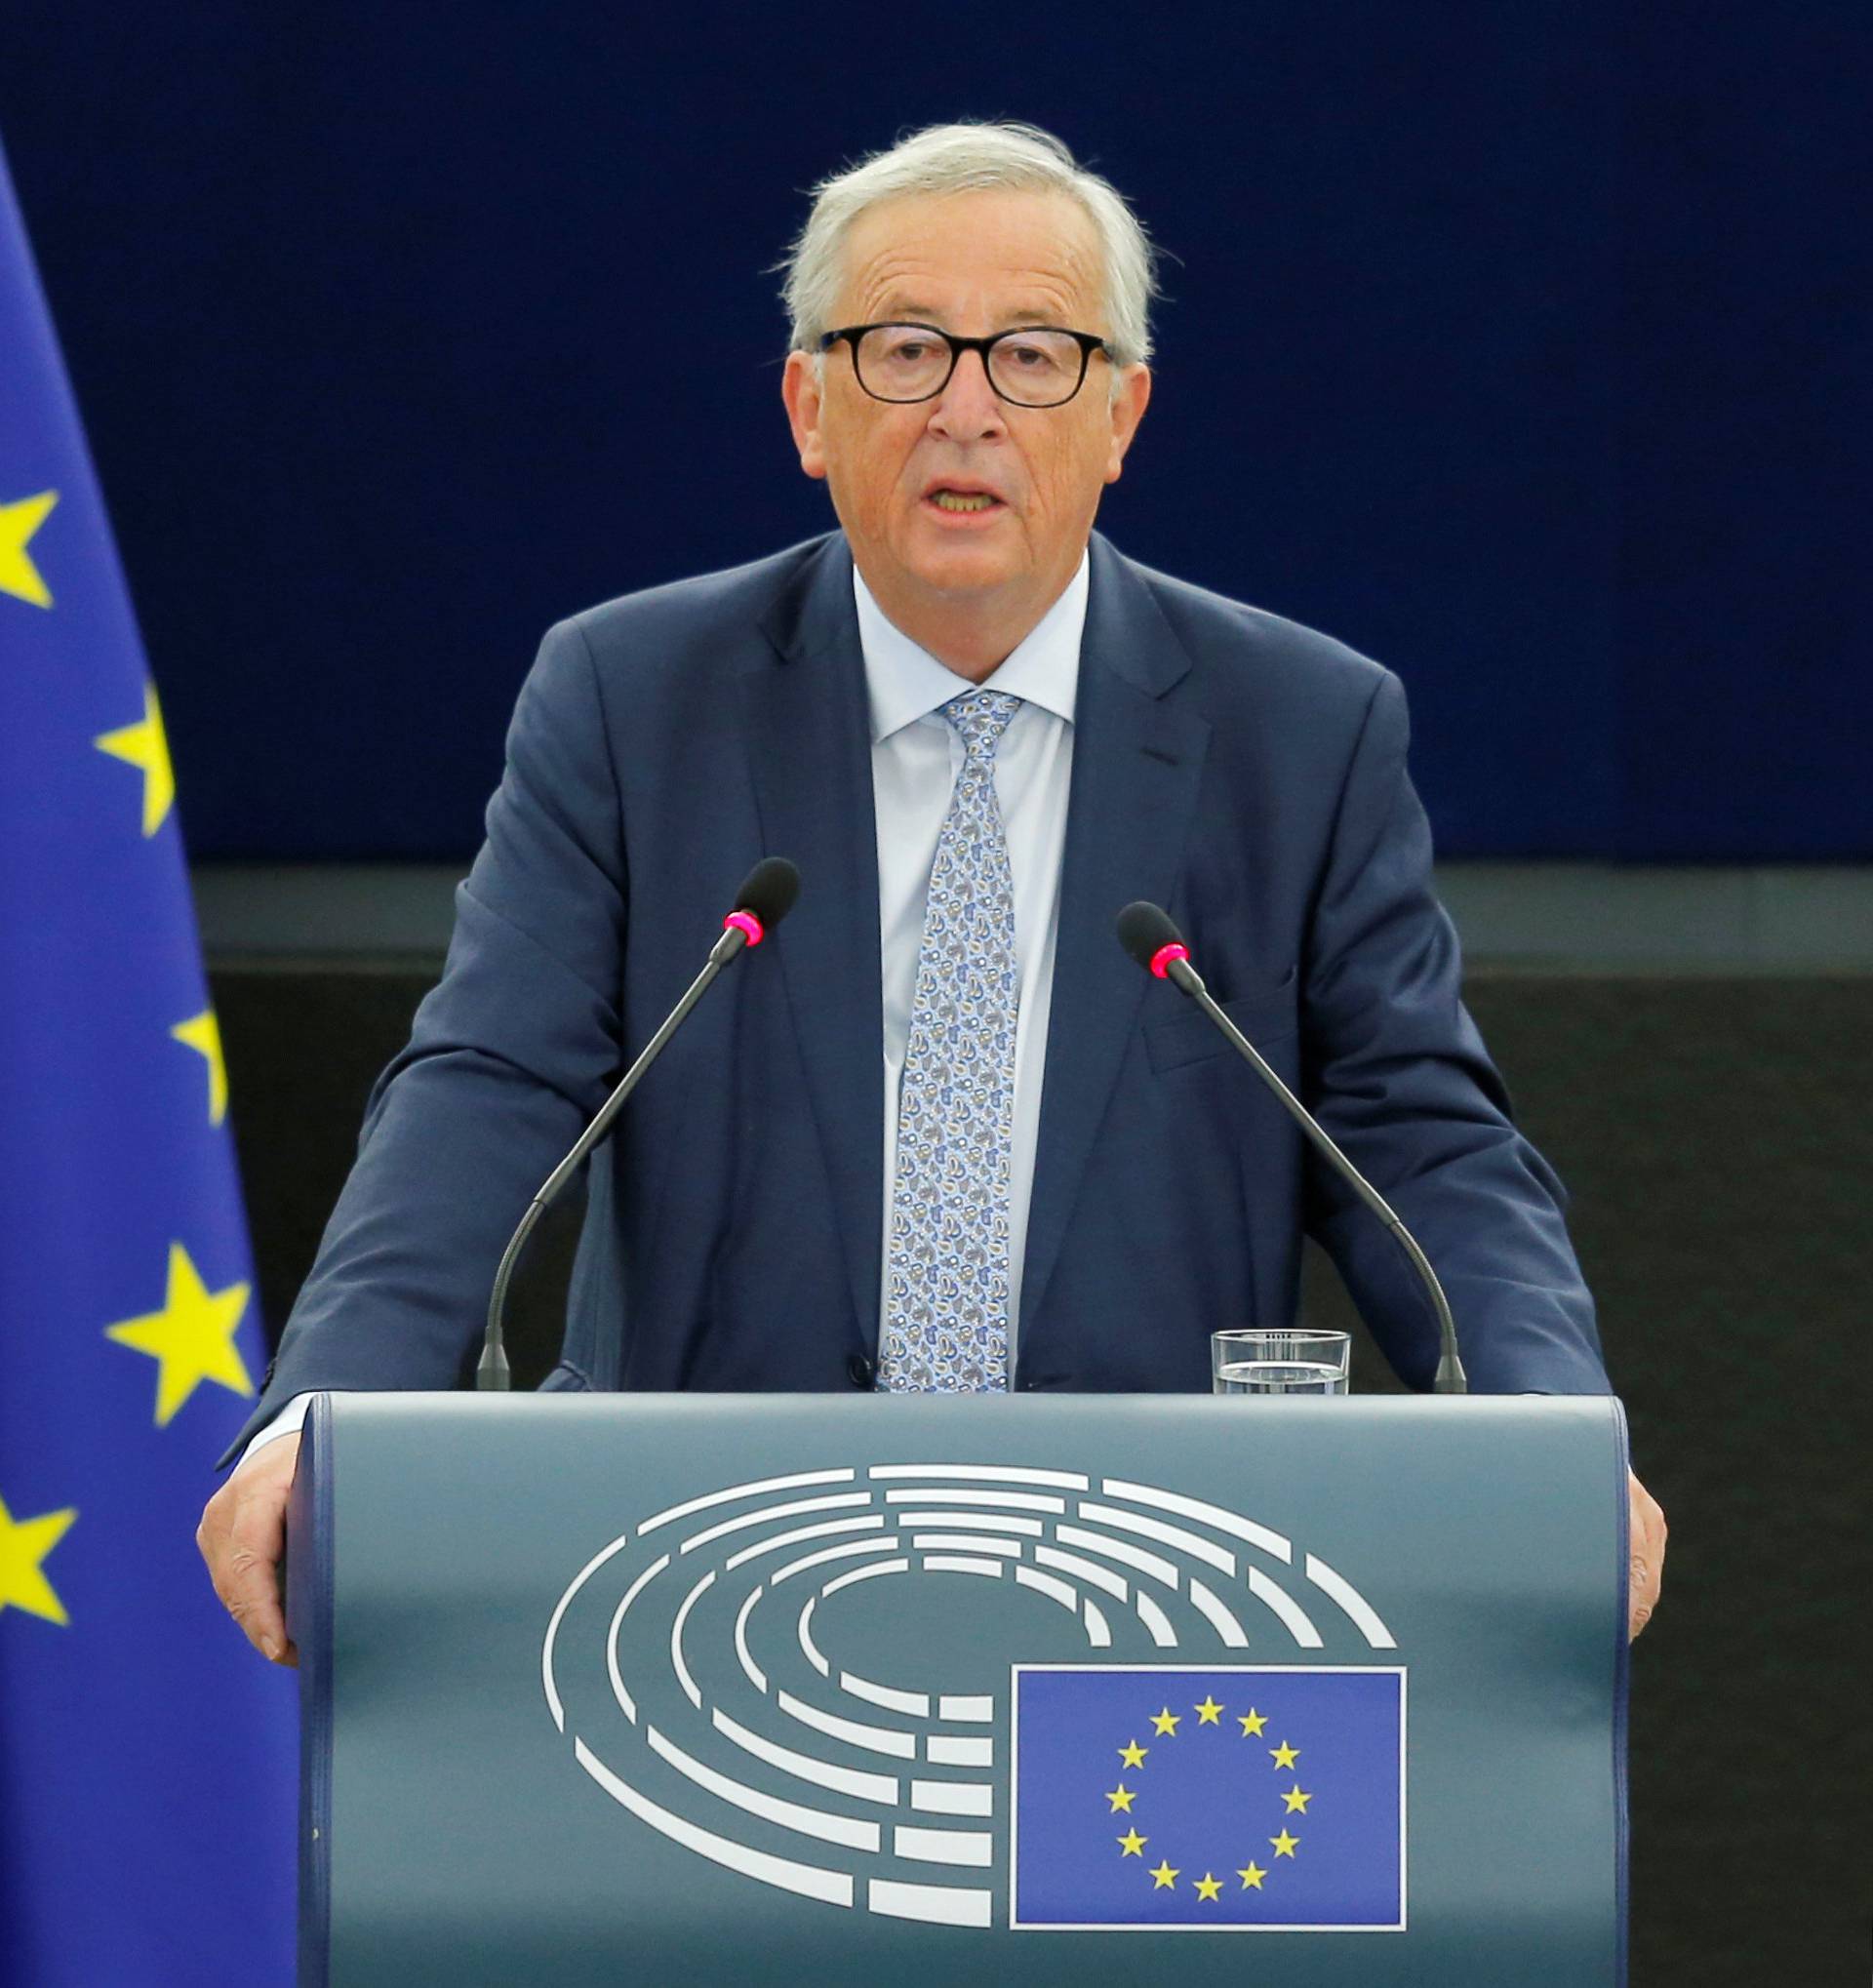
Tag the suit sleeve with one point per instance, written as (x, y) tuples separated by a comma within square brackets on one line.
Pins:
[(1395, 1070), (508, 1059)]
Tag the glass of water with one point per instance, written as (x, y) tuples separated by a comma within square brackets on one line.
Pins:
[(1281, 1360)]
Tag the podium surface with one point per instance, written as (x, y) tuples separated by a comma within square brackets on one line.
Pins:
[(1126, 1689)]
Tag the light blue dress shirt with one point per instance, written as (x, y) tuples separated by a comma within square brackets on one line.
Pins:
[(916, 754)]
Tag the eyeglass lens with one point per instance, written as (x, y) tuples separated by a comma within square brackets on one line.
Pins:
[(1033, 369)]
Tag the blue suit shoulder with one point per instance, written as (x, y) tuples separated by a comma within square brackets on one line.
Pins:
[(1246, 652), (686, 624), (687, 635)]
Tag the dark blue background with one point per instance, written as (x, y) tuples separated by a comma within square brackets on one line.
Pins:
[(1513, 345)]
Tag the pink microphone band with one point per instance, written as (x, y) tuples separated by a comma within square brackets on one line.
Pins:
[(745, 923), (1161, 959)]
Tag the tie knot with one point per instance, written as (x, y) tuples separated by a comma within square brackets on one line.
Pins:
[(981, 717)]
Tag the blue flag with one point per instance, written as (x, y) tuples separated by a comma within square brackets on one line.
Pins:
[(147, 1757), (1229, 1799)]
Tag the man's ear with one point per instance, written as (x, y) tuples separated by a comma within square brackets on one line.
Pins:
[(800, 388), (1127, 411)]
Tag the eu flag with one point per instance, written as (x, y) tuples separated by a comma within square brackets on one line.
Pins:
[(1229, 1799), (148, 1757)]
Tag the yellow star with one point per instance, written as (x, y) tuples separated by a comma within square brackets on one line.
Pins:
[(192, 1338), (1166, 1877), (1208, 1713), (1284, 1843), (18, 577), (204, 1033), (145, 744), (1251, 1722), (24, 1545), (1296, 1800), (1133, 1755), (1131, 1844), (1122, 1797), (1252, 1875), (1285, 1756), (1165, 1721), (1209, 1887)]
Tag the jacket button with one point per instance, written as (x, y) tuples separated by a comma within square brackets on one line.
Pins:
[(860, 1371)]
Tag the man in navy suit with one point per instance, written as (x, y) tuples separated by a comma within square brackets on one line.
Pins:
[(943, 1133)]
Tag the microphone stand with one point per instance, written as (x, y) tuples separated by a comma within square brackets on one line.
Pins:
[(1148, 932)]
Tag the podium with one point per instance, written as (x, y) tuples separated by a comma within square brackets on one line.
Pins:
[(925, 1689)]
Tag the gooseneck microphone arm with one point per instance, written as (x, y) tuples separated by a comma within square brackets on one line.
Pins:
[(1148, 932), (764, 898)]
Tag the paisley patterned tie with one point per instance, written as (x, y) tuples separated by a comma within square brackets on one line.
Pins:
[(947, 1319)]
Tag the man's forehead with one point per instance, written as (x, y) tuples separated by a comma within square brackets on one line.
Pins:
[(1025, 254)]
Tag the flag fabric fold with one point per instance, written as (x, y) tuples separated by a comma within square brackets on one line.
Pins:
[(147, 1757)]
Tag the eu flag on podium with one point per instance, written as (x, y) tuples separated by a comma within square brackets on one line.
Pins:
[(1232, 1799), (148, 1756)]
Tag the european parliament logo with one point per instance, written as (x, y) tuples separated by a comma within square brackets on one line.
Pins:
[(994, 1697)]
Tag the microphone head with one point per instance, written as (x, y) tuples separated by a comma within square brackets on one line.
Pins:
[(1144, 931), (768, 892)]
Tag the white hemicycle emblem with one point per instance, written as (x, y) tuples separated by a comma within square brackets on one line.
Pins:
[(893, 1791)]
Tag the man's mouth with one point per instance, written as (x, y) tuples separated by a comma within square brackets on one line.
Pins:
[(959, 500)]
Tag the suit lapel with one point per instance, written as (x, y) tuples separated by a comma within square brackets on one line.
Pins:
[(1137, 764), (809, 747)]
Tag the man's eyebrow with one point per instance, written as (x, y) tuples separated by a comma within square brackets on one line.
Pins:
[(897, 310)]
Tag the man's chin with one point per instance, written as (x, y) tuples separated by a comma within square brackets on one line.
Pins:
[(961, 570)]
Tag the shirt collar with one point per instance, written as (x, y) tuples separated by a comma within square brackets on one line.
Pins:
[(905, 682)]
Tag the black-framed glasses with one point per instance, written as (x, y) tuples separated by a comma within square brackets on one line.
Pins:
[(1037, 366)]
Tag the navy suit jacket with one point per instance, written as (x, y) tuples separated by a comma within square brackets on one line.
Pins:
[(1245, 772)]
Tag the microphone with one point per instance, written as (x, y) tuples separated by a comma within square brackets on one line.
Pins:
[(765, 898), (1147, 932)]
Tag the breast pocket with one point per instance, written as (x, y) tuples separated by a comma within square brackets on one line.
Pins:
[(1266, 1015)]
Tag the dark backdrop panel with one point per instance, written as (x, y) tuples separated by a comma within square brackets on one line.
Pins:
[(1743, 314), (1509, 343), (1715, 1157)]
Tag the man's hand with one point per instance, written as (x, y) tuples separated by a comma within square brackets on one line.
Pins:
[(242, 1536), (1647, 1523)]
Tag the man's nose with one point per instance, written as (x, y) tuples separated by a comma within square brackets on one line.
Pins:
[(968, 409)]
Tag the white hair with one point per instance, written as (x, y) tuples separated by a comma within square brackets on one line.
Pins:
[(971, 158)]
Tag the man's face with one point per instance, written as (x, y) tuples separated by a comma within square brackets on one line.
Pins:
[(972, 263)]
